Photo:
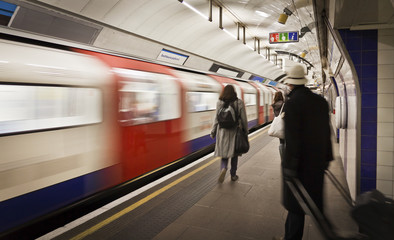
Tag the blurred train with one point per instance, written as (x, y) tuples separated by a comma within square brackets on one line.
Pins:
[(75, 122)]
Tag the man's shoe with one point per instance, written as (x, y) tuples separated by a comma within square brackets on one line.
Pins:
[(222, 175), (234, 178)]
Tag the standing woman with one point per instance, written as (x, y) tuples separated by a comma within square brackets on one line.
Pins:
[(225, 137), (277, 106)]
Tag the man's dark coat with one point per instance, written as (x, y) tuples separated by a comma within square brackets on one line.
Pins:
[(308, 144)]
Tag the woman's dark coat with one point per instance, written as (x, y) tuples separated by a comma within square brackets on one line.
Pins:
[(308, 144)]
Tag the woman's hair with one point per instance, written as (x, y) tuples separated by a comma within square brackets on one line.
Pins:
[(278, 96), (228, 94)]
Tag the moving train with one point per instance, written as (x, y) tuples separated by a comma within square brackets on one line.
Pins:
[(74, 122)]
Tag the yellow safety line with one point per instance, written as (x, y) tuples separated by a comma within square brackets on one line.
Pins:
[(147, 198), (258, 134)]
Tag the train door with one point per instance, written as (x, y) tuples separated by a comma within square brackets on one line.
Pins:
[(250, 101), (259, 103), (149, 103), (271, 114), (267, 101)]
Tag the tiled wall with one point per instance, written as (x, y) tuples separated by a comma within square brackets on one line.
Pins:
[(372, 53), (385, 118)]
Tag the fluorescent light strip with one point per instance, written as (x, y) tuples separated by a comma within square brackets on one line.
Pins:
[(195, 10), (262, 14), (206, 18), (229, 33), (250, 47)]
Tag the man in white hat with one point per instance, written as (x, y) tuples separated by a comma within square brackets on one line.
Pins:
[(308, 148)]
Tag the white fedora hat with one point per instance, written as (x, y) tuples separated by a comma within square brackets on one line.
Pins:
[(296, 75)]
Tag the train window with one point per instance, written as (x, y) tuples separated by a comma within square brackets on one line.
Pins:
[(25, 108), (147, 97), (202, 101), (249, 99)]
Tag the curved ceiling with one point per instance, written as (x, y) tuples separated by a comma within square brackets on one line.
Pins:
[(184, 25)]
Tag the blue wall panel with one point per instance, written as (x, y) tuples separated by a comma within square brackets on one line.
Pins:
[(362, 47)]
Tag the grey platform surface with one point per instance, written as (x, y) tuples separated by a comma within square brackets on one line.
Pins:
[(198, 207)]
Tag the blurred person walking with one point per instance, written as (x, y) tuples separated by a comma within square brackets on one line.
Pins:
[(225, 137), (308, 148)]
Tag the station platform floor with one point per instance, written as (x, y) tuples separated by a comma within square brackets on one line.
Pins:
[(192, 205)]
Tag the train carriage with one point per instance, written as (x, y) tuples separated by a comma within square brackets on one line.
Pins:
[(152, 113), (57, 130), (202, 93)]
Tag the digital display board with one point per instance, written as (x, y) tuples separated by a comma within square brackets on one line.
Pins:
[(283, 37)]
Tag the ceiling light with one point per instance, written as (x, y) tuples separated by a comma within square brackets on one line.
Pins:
[(229, 33), (262, 14), (283, 17), (193, 9)]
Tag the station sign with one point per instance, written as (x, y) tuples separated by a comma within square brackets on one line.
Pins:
[(172, 57), (283, 37)]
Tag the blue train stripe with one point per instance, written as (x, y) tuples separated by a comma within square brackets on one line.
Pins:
[(21, 209), (252, 123), (201, 142)]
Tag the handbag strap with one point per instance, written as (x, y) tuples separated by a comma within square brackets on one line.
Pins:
[(281, 109), (238, 114)]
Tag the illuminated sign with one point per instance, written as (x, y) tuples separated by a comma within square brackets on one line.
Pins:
[(283, 37), (7, 9), (272, 83)]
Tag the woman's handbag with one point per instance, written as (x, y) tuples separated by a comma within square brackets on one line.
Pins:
[(277, 128), (241, 142)]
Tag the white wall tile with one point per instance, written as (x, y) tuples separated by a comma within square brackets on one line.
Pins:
[(386, 71), (385, 143), (386, 115), (385, 158), (386, 100), (385, 118), (386, 32), (386, 85), (385, 129), (386, 57), (386, 42), (386, 187), (384, 172)]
